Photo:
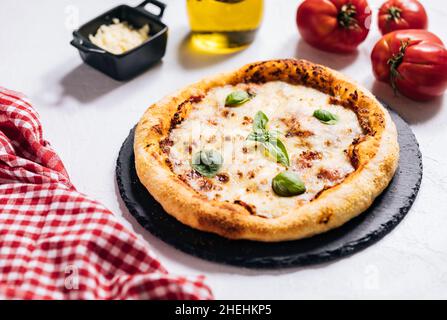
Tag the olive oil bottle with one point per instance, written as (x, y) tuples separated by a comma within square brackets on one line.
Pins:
[(223, 26)]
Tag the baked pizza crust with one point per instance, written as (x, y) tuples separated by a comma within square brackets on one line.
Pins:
[(375, 158)]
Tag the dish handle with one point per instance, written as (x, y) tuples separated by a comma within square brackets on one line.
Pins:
[(79, 44), (156, 3)]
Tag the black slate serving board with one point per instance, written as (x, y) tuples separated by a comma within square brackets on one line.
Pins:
[(385, 213)]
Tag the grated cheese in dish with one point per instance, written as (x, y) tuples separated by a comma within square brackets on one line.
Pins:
[(119, 37)]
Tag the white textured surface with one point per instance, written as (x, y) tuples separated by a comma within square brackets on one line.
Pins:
[(86, 116)]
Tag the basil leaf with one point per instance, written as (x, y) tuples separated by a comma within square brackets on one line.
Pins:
[(275, 133), (236, 98), (263, 135), (259, 136), (273, 147), (260, 121), (207, 162), (325, 116), (288, 184), (276, 149)]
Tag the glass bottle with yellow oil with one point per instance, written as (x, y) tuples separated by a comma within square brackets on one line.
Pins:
[(223, 26)]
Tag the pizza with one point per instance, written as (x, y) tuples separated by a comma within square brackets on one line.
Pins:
[(276, 150)]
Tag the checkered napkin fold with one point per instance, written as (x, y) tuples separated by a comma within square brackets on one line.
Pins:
[(56, 243)]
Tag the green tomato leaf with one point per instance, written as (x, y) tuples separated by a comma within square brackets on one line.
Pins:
[(288, 184), (325, 116), (236, 98), (207, 162), (277, 150), (260, 121)]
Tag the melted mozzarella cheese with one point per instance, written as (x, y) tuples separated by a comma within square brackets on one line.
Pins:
[(317, 151)]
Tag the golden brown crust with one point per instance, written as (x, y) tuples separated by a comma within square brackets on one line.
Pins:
[(375, 158)]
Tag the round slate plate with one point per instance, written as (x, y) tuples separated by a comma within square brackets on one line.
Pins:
[(385, 213)]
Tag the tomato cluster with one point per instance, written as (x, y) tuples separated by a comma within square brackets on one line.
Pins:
[(411, 59)]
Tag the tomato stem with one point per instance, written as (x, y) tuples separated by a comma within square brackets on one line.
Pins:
[(346, 16), (394, 13), (394, 63)]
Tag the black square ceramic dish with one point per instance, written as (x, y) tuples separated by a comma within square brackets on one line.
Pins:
[(128, 64)]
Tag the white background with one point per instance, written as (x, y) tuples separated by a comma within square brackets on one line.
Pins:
[(86, 116)]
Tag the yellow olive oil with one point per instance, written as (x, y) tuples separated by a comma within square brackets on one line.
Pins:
[(223, 26)]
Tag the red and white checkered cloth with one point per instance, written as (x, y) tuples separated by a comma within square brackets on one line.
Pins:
[(56, 243)]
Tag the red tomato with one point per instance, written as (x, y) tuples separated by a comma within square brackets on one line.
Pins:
[(413, 61), (334, 25), (402, 14)]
